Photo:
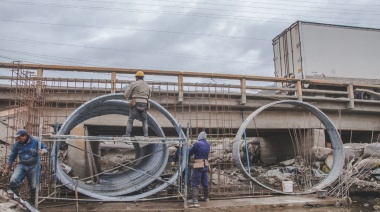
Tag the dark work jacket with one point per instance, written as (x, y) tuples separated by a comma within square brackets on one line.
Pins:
[(200, 149)]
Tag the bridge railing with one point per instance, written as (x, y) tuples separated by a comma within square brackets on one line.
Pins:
[(242, 86)]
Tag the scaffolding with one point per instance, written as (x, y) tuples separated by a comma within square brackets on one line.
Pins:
[(52, 100), (212, 107)]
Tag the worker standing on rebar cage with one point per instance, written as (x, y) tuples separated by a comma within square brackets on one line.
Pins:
[(139, 93), (26, 147), (200, 150)]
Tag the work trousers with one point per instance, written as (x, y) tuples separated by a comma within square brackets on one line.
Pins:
[(198, 175), (18, 176), (139, 112)]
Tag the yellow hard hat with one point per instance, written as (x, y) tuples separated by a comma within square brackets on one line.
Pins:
[(139, 74)]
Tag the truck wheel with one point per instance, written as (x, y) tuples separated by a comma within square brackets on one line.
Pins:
[(363, 95)]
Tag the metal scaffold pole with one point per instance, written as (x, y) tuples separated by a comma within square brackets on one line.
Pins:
[(55, 162), (186, 144), (38, 164)]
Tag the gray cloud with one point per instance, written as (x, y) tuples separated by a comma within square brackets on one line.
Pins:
[(262, 20)]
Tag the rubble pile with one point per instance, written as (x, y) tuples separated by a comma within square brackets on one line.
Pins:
[(116, 156), (295, 170), (364, 168), (362, 163), (221, 152), (227, 177)]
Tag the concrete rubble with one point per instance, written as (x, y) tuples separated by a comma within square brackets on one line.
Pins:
[(363, 158), (9, 205)]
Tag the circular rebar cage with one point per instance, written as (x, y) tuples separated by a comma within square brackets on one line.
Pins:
[(333, 133), (150, 162)]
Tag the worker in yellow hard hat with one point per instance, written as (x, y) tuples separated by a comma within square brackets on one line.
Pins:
[(138, 93), (139, 74)]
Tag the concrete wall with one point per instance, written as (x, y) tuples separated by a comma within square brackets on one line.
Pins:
[(277, 148)]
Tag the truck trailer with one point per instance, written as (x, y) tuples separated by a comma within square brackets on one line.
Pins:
[(345, 54)]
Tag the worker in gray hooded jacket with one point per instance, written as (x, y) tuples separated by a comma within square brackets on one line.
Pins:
[(200, 150), (138, 93)]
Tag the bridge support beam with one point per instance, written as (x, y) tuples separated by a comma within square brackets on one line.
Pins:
[(77, 158), (113, 82), (351, 97), (180, 88), (243, 88), (299, 90)]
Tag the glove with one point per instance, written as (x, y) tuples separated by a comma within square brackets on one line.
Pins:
[(173, 163)]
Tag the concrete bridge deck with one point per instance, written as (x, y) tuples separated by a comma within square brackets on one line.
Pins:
[(204, 105)]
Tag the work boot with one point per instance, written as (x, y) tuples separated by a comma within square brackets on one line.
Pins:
[(205, 194), (194, 200), (32, 198), (15, 191)]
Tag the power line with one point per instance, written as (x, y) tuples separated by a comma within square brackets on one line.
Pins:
[(55, 58), (33, 62), (248, 18), (19, 59), (224, 10), (134, 29), (129, 51), (202, 15), (307, 2), (255, 2)]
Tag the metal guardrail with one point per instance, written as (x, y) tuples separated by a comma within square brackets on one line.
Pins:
[(283, 87)]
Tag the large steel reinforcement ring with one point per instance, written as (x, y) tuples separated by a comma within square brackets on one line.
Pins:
[(337, 146), (142, 172)]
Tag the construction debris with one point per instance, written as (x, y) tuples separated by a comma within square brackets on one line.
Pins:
[(353, 151), (372, 150), (287, 162), (320, 153), (368, 163), (9, 205)]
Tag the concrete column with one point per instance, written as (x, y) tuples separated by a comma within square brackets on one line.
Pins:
[(180, 88), (243, 88), (113, 82), (351, 97), (299, 90), (318, 137), (77, 157), (40, 74)]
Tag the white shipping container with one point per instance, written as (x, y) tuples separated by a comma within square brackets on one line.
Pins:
[(322, 51)]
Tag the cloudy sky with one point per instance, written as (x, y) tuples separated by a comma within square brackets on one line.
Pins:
[(223, 36)]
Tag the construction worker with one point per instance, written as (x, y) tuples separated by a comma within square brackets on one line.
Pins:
[(26, 147), (175, 158), (139, 93), (200, 150)]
